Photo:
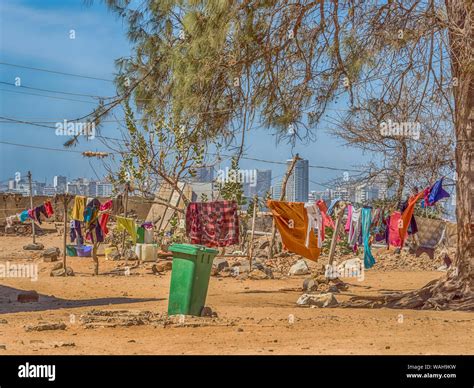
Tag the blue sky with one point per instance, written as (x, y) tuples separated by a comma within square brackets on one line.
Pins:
[(37, 34)]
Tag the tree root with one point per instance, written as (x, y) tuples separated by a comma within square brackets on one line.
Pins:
[(441, 294)]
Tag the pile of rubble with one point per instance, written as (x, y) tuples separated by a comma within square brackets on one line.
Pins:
[(389, 260)]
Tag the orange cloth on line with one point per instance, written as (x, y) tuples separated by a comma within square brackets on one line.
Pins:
[(407, 214), (292, 222)]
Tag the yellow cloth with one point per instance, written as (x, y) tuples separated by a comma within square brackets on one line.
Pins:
[(78, 208), (292, 222), (128, 225)]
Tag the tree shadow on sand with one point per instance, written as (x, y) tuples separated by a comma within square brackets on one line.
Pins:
[(9, 304)]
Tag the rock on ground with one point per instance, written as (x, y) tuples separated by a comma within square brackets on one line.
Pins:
[(318, 300)]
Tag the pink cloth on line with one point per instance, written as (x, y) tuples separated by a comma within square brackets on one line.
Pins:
[(393, 234), (326, 220), (349, 217)]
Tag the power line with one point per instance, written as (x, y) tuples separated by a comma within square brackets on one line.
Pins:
[(56, 72), (55, 91), (43, 95), (41, 148)]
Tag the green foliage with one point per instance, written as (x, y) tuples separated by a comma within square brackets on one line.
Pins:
[(230, 190)]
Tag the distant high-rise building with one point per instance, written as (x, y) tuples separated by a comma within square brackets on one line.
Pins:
[(343, 193), (49, 191), (78, 186), (297, 188), (261, 186), (276, 191), (204, 174), (317, 195), (104, 189), (60, 183)]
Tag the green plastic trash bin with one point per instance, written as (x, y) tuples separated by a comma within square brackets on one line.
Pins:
[(189, 278)]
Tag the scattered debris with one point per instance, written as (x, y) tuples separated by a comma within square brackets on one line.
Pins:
[(51, 254), (33, 247), (46, 326), (220, 264), (126, 318), (317, 300), (299, 268), (62, 272), (63, 344)]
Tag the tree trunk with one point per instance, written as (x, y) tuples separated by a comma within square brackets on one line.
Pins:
[(461, 39), (456, 290), (403, 168)]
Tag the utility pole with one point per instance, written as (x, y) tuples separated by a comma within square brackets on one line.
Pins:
[(255, 206), (31, 206)]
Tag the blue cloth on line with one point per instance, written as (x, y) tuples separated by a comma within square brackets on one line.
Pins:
[(331, 206), (437, 192), (24, 215), (369, 259)]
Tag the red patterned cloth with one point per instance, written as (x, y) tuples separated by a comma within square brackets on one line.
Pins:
[(213, 224), (49, 209)]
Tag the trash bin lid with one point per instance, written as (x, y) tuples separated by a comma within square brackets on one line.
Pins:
[(191, 249)]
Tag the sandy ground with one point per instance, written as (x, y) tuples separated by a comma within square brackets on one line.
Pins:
[(253, 315)]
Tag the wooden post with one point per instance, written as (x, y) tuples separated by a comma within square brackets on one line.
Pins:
[(66, 198), (65, 230), (339, 212), (31, 207), (255, 206), (282, 198), (127, 187), (95, 258)]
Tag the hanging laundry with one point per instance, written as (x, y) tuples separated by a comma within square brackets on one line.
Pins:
[(32, 214), (369, 259), (104, 218), (328, 222), (94, 233), (380, 229), (9, 221), (349, 216), (107, 205), (407, 219), (394, 239), (78, 208), (437, 192), (128, 224), (91, 212), (75, 232), (24, 215), (333, 203), (213, 224), (49, 209), (38, 211), (355, 228), (292, 222), (315, 224)]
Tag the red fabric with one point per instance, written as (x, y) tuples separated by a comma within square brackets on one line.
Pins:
[(104, 218), (49, 209), (106, 206), (213, 224), (393, 234)]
